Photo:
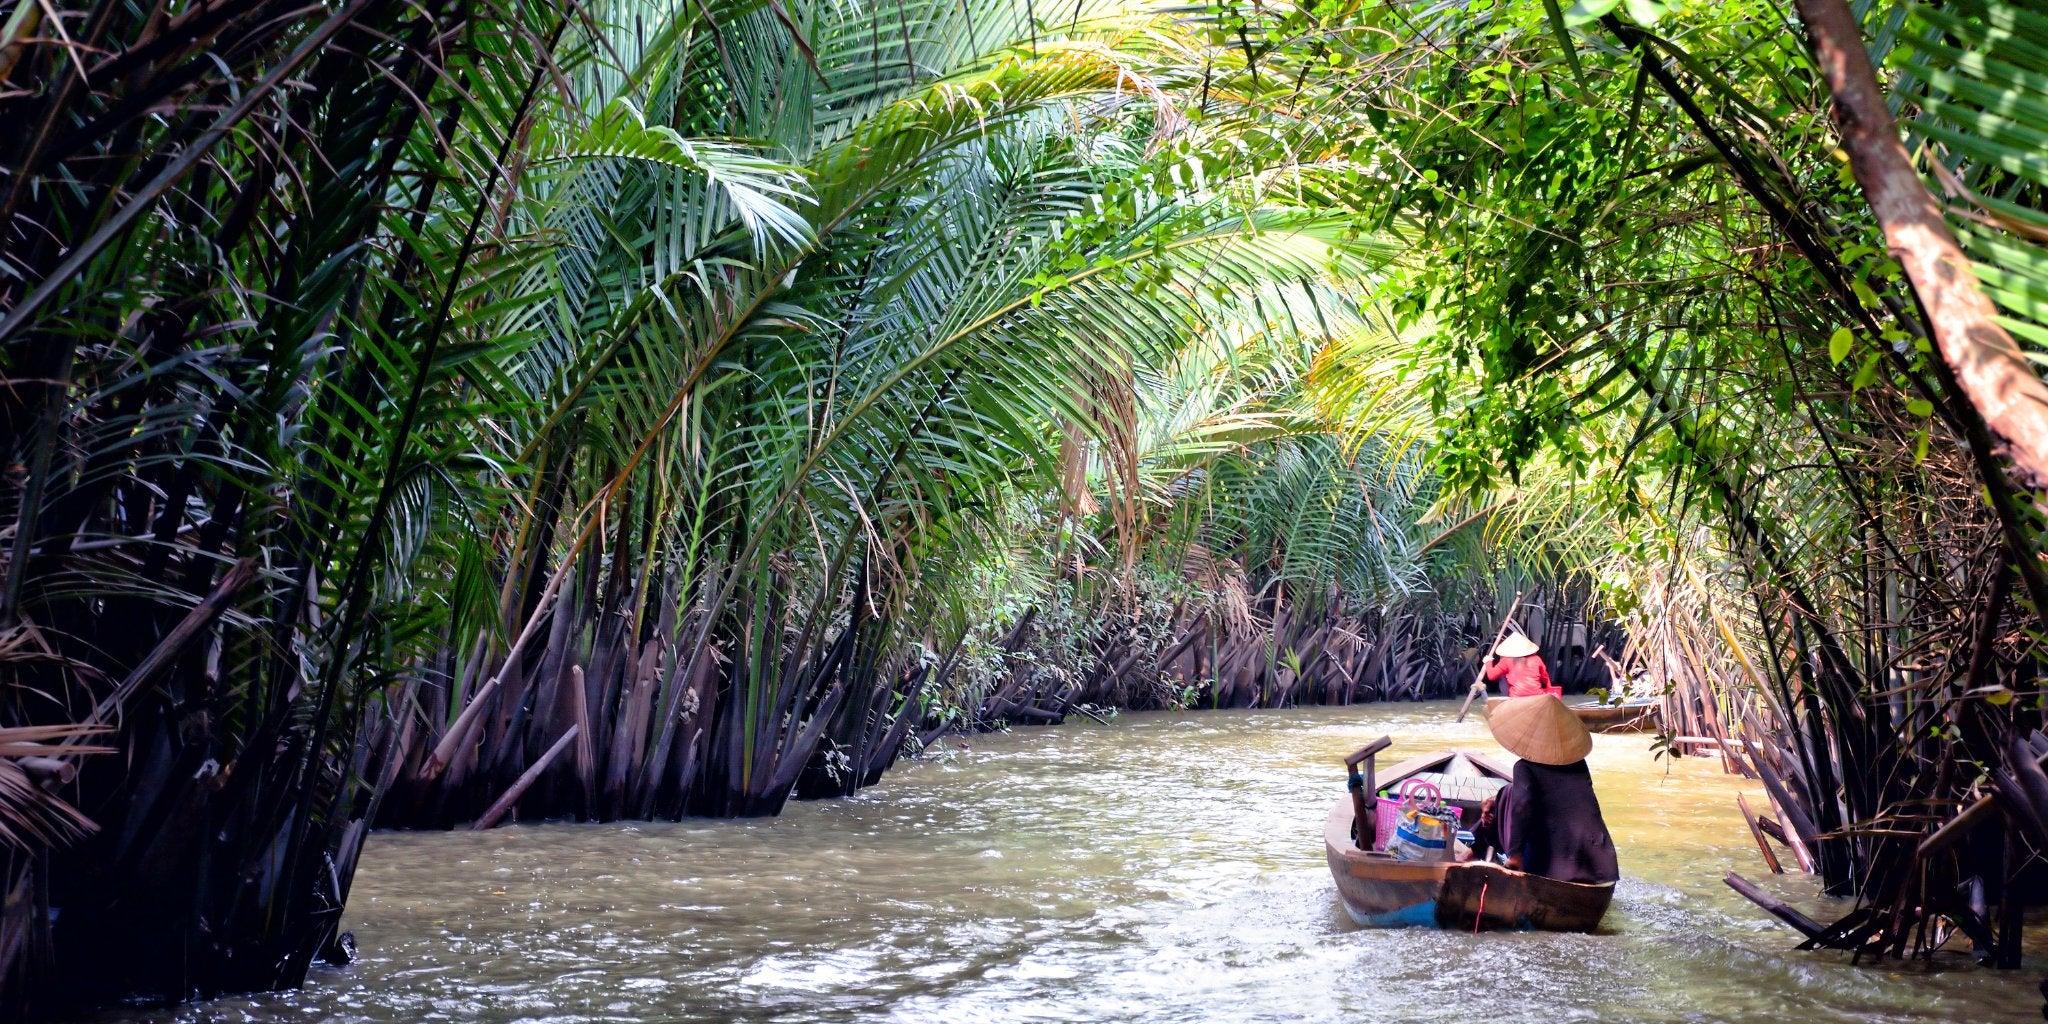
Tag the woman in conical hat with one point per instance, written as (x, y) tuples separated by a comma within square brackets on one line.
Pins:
[(1553, 822), (1516, 660)]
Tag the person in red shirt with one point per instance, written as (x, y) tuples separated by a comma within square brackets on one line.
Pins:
[(1515, 660)]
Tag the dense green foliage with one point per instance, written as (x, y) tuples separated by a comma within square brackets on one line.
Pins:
[(422, 413), (1658, 268), (628, 393)]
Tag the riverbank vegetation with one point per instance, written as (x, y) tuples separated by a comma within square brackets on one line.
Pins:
[(433, 414)]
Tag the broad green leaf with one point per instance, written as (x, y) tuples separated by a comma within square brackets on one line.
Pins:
[(1585, 12), (1646, 12), (1839, 344)]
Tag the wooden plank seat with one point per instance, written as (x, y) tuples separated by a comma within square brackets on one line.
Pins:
[(1458, 789)]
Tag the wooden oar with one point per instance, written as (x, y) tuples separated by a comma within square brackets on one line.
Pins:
[(1479, 680)]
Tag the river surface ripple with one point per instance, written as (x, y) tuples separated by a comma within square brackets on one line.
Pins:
[(1166, 868)]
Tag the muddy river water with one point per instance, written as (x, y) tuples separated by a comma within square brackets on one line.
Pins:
[(1165, 868)]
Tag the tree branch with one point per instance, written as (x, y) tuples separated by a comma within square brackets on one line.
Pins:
[(1987, 364)]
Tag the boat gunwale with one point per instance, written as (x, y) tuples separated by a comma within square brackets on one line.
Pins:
[(1616, 717)]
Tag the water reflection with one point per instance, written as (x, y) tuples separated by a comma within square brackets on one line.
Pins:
[(1167, 868)]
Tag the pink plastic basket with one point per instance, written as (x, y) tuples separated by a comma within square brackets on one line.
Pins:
[(1387, 812), (1386, 817)]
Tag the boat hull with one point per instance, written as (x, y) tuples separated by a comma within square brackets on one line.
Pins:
[(1480, 896)]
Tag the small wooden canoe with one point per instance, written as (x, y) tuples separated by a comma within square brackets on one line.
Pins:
[(1631, 716), (1379, 890)]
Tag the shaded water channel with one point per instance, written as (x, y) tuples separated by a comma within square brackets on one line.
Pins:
[(1166, 868)]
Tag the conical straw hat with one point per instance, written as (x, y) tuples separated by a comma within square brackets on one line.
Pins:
[(1539, 729), (1515, 646)]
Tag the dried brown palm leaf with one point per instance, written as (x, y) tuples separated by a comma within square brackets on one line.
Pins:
[(32, 816), (49, 740)]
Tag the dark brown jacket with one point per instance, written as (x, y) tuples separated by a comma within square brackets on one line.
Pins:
[(1556, 824)]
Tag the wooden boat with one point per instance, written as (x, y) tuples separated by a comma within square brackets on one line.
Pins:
[(1629, 716), (1377, 888), (1380, 890)]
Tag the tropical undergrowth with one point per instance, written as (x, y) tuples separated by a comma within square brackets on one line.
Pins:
[(435, 414), (1649, 264)]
